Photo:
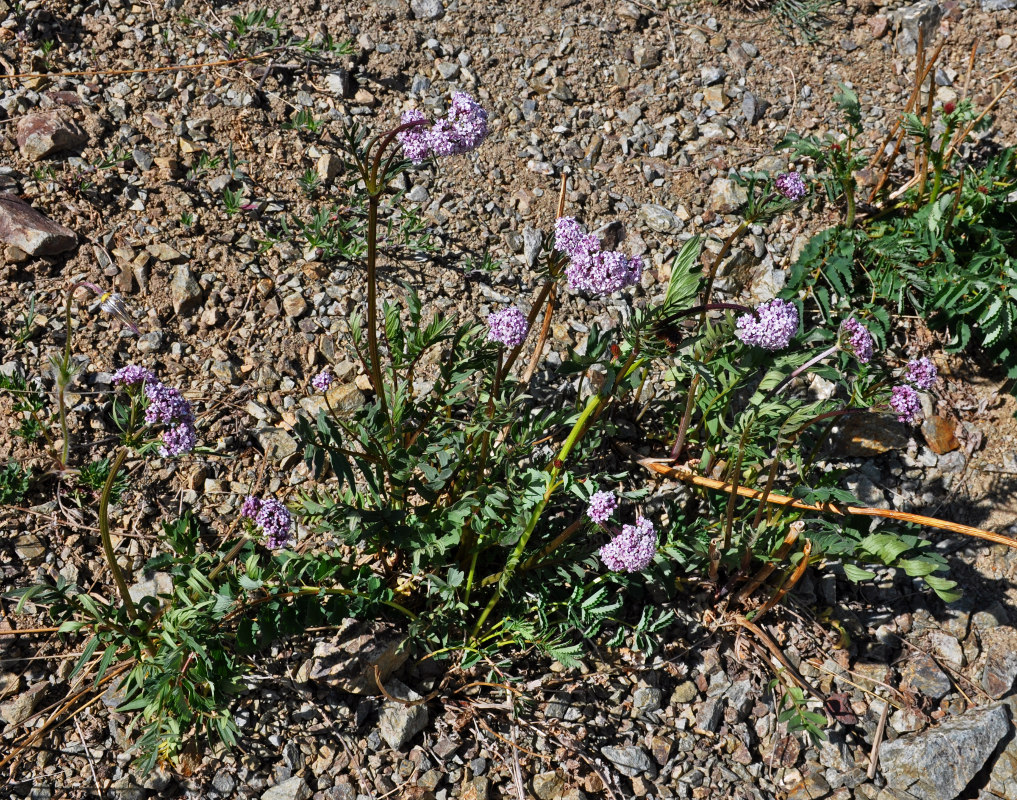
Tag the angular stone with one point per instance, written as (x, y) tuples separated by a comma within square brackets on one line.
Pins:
[(726, 196), (184, 290), (294, 788), (937, 764), (23, 227), (999, 673), (922, 674), (398, 723), (710, 713), (715, 97), (925, 17), (533, 240), (39, 135), (348, 660), (646, 699), (629, 760), (277, 444), (659, 218), (939, 434), (427, 10)]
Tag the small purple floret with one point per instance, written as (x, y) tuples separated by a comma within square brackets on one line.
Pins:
[(922, 373), (250, 508), (859, 340), (508, 326), (322, 380), (772, 326), (631, 550), (275, 522), (906, 404), (602, 505), (132, 374), (791, 185)]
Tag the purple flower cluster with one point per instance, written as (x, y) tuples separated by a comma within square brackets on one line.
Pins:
[(272, 517), (168, 407), (632, 549), (322, 380), (791, 185), (602, 505), (905, 403), (771, 327), (922, 373), (590, 269), (859, 340), (508, 326), (132, 374), (462, 130)]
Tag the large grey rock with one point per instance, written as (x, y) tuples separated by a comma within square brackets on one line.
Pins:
[(398, 723), (998, 5), (24, 227), (726, 196), (533, 240), (629, 760), (938, 763), (39, 135), (294, 788)]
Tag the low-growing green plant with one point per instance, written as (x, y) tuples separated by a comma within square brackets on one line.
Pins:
[(15, 481), (309, 181), (232, 199), (304, 120), (938, 240)]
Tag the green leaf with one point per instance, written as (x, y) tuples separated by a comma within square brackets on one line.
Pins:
[(856, 574)]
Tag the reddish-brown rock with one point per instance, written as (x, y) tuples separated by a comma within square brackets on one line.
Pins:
[(24, 227), (939, 434), (39, 135)]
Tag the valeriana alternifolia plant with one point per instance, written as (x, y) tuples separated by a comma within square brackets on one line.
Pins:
[(153, 409)]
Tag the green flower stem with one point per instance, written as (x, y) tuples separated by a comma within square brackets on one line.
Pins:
[(372, 300), (593, 408), (811, 362), (107, 543), (728, 243), (849, 194), (63, 378), (226, 559)]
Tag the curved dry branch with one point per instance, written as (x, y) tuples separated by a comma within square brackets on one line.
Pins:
[(662, 467)]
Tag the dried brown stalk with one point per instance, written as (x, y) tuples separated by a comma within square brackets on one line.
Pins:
[(661, 467)]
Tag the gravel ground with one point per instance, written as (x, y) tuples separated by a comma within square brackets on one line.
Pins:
[(645, 107)]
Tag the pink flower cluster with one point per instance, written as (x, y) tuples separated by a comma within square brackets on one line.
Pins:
[(508, 327), (771, 327), (462, 130), (166, 407), (602, 506), (631, 550), (590, 269), (272, 517), (859, 340)]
